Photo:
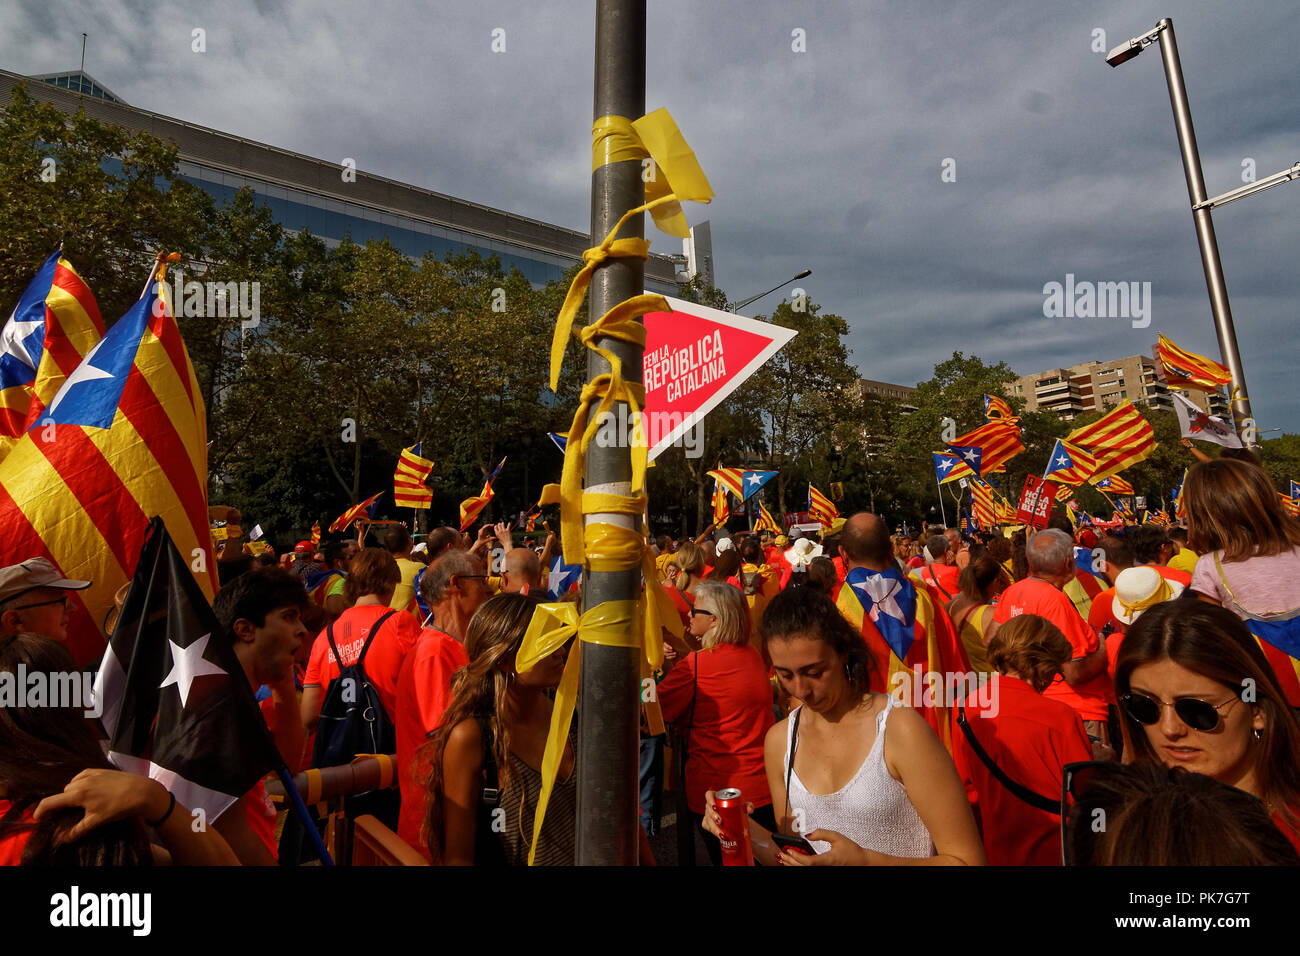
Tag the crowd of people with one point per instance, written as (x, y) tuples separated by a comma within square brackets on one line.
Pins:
[(1146, 673)]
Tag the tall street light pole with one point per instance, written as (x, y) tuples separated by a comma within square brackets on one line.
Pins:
[(609, 697), (1201, 207)]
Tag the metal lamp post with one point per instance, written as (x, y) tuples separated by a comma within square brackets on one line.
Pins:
[(1202, 204)]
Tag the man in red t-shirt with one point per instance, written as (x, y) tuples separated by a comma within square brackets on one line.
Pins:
[(453, 587), (261, 615), (1084, 684), (941, 572), (1151, 546)]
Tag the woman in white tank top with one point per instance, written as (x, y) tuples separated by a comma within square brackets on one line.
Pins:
[(860, 776)]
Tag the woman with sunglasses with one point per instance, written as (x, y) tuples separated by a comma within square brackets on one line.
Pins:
[(722, 697), (862, 777), (1197, 692)]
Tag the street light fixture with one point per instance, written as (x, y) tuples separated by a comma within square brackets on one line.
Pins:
[(1163, 32), (754, 298)]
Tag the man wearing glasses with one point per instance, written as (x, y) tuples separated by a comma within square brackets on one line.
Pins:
[(34, 599)]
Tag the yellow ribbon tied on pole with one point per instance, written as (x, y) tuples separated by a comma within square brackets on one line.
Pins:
[(672, 175)]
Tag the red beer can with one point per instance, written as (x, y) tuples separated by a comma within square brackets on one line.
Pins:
[(736, 850)]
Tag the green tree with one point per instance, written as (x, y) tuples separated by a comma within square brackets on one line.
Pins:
[(112, 197)]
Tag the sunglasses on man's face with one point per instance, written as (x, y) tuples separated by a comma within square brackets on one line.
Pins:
[(1197, 714), (65, 601)]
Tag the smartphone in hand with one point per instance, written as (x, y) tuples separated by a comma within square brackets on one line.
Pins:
[(793, 844)]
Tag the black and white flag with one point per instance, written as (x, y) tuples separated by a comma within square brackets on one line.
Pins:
[(177, 705)]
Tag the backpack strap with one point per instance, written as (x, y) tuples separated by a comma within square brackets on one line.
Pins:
[(1024, 793), (374, 629), (789, 767)]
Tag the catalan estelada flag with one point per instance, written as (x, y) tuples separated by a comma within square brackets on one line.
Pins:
[(741, 482), (123, 440), (904, 631), (342, 521), (1185, 369), (987, 448), (948, 467), (765, 521), (1070, 464), (1120, 438), (821, 507), (1115, 485), (470, 508), (409, 489), (997, 410), (55, 323)]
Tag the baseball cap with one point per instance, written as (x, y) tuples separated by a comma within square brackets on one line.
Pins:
[(303, 547), (32, 574)]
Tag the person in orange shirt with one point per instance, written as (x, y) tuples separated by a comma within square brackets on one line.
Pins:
[(1118, 558), (454, 587), (1083, 683), (1027, 737)]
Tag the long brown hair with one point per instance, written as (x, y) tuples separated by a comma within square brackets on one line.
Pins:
[(41, 750), (1232, 506), (1212, 641), (479, 690)]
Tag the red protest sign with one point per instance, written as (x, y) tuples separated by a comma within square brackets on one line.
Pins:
[(1036, 501), (694, 358)]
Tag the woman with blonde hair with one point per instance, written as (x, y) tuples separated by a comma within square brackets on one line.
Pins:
[(1249, 557), (689, 561), (1011, 744), (722, 698)]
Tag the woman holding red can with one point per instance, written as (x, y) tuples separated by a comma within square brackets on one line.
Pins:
[(861, 777), (722, 698)]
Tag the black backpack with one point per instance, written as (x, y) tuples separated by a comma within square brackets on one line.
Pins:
[(352, 718)]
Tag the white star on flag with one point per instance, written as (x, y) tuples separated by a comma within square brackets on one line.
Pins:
[(1062, 461), (85, 372), (11, 340), (945, 465), (754, 479), (970, 454), (880, 590), (187, 664)]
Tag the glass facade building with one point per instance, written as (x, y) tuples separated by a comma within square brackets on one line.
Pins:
[(306, 193)]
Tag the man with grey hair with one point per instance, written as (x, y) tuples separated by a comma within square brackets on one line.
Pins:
[(454, 587), (1083, 682)]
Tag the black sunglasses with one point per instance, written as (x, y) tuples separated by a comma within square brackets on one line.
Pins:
[(696, 610), (65, 601), (1197, 714)]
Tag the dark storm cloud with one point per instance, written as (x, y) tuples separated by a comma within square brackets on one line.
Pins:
[(829, 158)]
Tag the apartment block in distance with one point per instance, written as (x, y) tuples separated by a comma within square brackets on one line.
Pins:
[(1097, 386)]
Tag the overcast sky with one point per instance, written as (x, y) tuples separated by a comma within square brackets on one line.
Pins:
[(830, 158)]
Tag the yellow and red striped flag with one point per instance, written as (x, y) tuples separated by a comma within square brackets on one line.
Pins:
[(315, 535), (1070, 465), (732, 479), (998, 410), (470, 508), (987, 448), (124, 439), (1185, 369), (985, 511), (821, 507), (1114, 485), (55, 323), (409, 489), (1117, 440), (342, 521), (720, 509), (765, 521)]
